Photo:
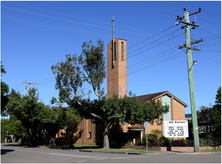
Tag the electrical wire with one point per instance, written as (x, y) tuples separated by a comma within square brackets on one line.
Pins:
[(208, 58), (169, 4), (208, 21), (152, 36), (156, 57), (19, 86), (147, 8), (80, 17), (153, 47), (153, 41), (69, 29), (157, 63), (198, 8), (209, 32)]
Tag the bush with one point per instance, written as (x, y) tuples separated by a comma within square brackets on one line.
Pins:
[(201, 142), (182, 142), (210, 141), (165, 141), (152, 140)]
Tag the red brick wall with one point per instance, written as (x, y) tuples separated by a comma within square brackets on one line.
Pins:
[(177, 110), (117, 76)]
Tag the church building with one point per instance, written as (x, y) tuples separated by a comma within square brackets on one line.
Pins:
[(117, 84), (89, 132)]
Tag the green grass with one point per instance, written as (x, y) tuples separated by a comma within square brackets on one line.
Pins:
[(11, 143), (213, 150)]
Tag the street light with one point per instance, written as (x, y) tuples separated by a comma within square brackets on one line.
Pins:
[(194, 62)]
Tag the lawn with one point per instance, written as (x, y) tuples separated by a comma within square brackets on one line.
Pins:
[(11, 143), (213, 150)]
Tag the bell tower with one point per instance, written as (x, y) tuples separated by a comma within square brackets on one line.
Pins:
[(117, 68)]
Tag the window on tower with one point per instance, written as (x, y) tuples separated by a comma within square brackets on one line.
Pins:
[(122, 50), (114, 56)]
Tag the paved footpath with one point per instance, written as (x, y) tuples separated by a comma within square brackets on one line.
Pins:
[(18, 154)]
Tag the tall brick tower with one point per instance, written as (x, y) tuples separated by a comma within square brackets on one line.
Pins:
[(117, 68)]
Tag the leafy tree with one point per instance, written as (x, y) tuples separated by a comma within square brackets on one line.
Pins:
[(53, 121), (215, 115), (15, 126), (72, 121), (203, 114), (4, 94), (34, 115), (90, 67), (4, 133)]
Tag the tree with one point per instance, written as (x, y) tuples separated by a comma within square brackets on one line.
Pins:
[(53, 121), (90, 67), (215, 115), (4, 94), (34, 115), (15, 127), (4, 133), (72, 121)]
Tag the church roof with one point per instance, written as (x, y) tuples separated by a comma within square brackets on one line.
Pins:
[(154, 96)]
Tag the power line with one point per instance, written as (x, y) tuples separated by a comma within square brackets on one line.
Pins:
[(157, 63), (80, 17), (152, 47), (147, 8), (170, 4), (19, 86), (208, 21), (198, 7), (55, 17), (43, 79), (68, 21), (69, 29), (153, 42), (208, 58), (163, 54), (153, 36), (209, 32)]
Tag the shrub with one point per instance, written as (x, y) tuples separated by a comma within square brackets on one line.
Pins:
[(167, 141), (181, 142), (152, 140), (201, 142)]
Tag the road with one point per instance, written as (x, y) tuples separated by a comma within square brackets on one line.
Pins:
[(18, 154)]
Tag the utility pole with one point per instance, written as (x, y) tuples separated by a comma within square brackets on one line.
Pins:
[(113, 43), (190, 73), (25, 87)]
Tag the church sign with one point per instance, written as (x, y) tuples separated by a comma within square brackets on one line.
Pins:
[(176, 128)]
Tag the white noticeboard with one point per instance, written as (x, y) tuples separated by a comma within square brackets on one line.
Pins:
[(176, 128)]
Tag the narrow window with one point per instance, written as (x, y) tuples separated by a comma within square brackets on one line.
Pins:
[(114, 57), (122, 50)]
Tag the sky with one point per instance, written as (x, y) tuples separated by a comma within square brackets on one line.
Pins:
[(37, 34)]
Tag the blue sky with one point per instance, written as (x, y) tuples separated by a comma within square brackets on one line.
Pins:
[(37, 34)]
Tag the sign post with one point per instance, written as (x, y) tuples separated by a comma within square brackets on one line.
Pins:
[(146, 126)]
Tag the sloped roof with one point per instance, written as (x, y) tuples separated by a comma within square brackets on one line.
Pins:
[(154, 96)]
